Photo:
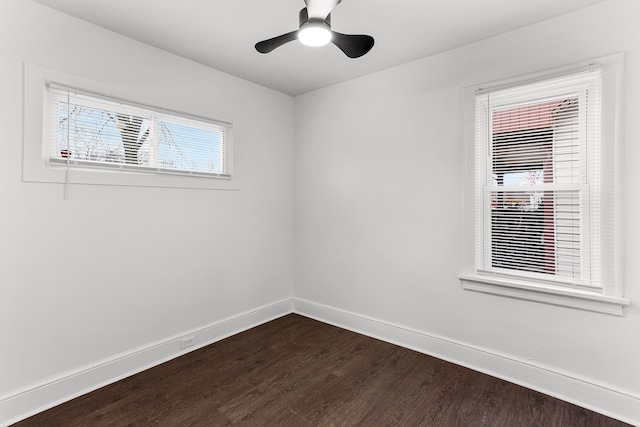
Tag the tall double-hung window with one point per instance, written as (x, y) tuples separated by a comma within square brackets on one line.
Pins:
[(546, 216)]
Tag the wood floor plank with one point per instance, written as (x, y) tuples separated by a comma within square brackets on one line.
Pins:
[(295, 371), (290, 375)]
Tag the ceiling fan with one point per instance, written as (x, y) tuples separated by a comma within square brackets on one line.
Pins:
[(315, 30)]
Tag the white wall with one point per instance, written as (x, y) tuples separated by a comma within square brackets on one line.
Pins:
[(378, 216), (147, 264), (379, 201)]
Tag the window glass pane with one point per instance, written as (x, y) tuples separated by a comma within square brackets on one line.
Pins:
[(191, 148), (526, 178), (92, 134), (537, 232)]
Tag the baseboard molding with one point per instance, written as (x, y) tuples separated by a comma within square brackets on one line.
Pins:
[(40, 397), (588, 393), (585, 392)]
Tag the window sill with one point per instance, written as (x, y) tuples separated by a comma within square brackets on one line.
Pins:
[(97, 166), (565, 297)]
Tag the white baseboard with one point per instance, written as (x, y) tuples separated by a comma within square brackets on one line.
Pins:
[(20, 405), (585, 392)]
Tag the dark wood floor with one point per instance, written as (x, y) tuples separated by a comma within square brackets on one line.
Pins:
[(295, 371)]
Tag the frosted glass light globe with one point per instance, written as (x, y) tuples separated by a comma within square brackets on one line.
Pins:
[(314, 34)]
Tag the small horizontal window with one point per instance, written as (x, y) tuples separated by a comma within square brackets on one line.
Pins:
[(91, 131), (83, 131)]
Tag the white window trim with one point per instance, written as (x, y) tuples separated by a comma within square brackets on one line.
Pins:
[(36, 167), (610, 300)]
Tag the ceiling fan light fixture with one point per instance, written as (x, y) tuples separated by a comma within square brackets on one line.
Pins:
[(314, 34), (315, 30)]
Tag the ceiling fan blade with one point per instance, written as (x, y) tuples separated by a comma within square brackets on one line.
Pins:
[(320, 9), (267, 46), (353, 45)]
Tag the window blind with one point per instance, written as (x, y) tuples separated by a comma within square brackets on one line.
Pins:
[(538, 174), (93, 130)]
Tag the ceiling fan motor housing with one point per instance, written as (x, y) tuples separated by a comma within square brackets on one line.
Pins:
[(304, 18)]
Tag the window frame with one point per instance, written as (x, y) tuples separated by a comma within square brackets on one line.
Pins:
[(609, 299), (38, 168), (580, 187)]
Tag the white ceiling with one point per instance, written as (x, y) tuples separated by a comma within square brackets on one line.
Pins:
[(222, 33)]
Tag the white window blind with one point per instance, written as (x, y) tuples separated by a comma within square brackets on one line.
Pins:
[(89, 130), (539, 193)]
